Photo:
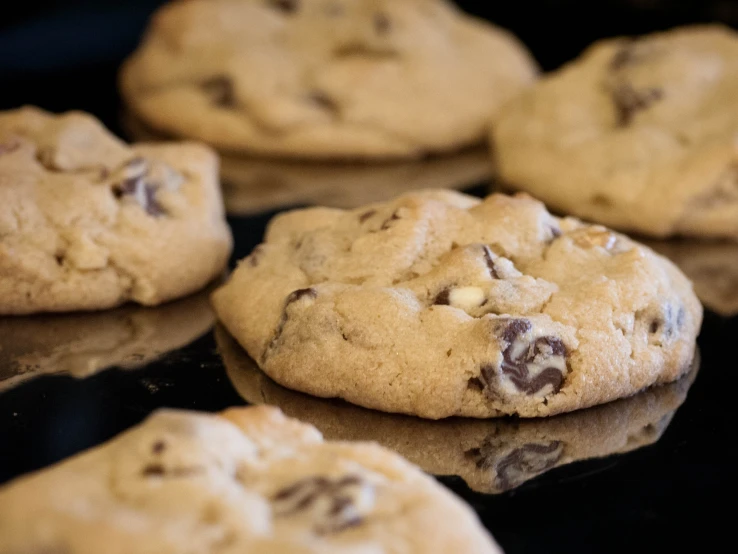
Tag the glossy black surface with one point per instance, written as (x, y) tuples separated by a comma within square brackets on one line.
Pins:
[(677, 494)]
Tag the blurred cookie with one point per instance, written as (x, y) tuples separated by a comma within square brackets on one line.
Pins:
[(248, 480), (712, 267), (637, 133), (251, 185), (84, 344), (439, 304), (88, 222), (491, 456), (359, 79)]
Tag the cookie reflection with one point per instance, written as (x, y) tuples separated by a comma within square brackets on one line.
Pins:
[(82, 344), (712, 267), (254, 185), (492, 456)]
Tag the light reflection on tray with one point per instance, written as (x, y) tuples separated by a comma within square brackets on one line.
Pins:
[(82, 344), (493, 455)]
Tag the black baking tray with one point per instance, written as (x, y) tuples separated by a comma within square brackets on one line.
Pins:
[(654, 473)]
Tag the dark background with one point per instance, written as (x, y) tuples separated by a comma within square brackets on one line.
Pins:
[(677, 495), (64, 55)]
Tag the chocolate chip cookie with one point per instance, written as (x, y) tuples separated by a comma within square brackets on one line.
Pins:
[(638, 133), (491, 456), (439, 304), (249, 480), (324, 78), (88, 222)]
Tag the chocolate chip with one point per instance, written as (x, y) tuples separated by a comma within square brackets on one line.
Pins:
[(158, 447), (158, 470), (443, 298), (153, 470), (624, 57), (530, 366), (629, 101), (555, 233), (333, 503), (681, 314), (664, 323), (388, 223), (286, 6), (366, 215), (382, 23), (301, 293), (490, 262), (9, 147), (602, 201), (358, 50), (220, 91), (293, 297), (526, 462), (142, 192), (475, 383), (321, 100)]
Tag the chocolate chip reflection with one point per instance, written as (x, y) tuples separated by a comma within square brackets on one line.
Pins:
[(493, 455)]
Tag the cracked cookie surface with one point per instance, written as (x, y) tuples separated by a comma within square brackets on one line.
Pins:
[(248, 480), (88, 222), (638, 133), (324, 78), (439, 304)]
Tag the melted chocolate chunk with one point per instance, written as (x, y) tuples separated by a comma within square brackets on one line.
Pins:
[(518, 466), (144, 194), (629, 101), (286, 6), (490, 262), (382, 23), (443, 298), (666, 323), (526, 462), (519, 358), (333, 502), (293, 297), (220, 91), (366, 215), (135, 184)]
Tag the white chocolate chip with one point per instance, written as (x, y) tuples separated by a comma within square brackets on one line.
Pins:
[(467, 298)]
